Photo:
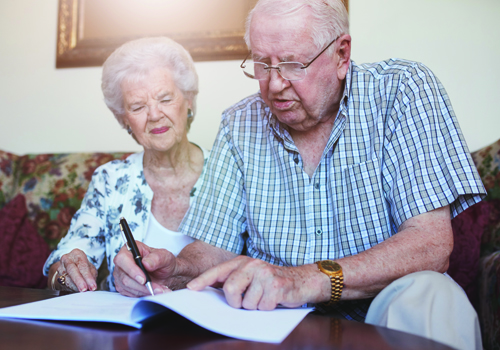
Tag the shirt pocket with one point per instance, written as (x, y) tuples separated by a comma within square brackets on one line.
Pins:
[(361, 207)]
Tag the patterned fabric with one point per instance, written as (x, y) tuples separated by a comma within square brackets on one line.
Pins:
[(54, 186), (8, 164), (489, 307), (22, 250), (117, 189), (488, 163), (395, 151)]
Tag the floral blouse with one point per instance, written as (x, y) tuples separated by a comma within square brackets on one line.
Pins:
[(118, 189)]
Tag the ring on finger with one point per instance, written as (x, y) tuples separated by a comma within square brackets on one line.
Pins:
[(62, 279)]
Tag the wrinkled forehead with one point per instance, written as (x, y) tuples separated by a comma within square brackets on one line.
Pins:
[(271, 33)]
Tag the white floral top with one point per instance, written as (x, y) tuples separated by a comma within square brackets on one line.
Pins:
[(118, 189)]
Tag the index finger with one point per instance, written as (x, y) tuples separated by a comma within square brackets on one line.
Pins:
[(125, 261), (218, 273)]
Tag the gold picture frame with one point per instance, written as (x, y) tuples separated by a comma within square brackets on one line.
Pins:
[(89, 30)]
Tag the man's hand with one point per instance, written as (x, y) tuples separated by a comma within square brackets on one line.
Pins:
[(129, 278), (255, 284)]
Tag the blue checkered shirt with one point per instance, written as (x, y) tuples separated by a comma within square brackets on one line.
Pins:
[(395, 151)]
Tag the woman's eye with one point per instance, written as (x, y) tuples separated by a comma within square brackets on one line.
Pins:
[(136, 109), (165, 101)]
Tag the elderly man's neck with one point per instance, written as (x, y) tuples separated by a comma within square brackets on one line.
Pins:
[(312, 142)]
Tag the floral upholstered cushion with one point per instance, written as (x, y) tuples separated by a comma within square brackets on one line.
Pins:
[(54, 186), (22, 251), (489, 301), (8, 164), (487, 161)]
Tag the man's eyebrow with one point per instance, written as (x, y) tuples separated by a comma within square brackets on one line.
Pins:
[(287, 58)]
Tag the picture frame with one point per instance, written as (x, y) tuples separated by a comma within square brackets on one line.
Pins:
[(88, 31)]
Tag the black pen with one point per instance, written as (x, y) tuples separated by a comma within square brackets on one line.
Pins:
[(130, 242)]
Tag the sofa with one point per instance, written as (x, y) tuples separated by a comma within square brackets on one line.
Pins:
[(39, 193)]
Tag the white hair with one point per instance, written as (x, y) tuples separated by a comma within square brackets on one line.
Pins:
[(329, 18), (137, 58)]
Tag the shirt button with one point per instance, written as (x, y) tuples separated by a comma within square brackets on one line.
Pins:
[(319, 232), (296, 160), (316, 186)]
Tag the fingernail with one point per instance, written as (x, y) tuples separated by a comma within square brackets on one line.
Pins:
[(140, 279), (159, 291)]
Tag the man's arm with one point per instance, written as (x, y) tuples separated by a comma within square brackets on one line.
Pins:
[(166, 271), (424, 242)]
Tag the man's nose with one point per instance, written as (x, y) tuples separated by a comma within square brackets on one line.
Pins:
[(276, 82)]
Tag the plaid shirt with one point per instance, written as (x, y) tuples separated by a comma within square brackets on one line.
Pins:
[(395, 151)]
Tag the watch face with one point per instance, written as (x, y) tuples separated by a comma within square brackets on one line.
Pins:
[(331, 266)]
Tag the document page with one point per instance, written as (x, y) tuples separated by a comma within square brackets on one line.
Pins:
[(207, 308), (89, 306)]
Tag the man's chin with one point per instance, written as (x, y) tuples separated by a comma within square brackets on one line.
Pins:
[(290, 119)]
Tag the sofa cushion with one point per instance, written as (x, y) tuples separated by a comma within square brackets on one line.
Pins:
[(487, 161), (8, 164), (468, 228), (54, 186), (22, 251), (489, 301)]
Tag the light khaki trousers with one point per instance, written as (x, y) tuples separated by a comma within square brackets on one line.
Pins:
[(431, 305)]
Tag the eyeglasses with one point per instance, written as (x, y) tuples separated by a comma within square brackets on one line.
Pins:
[(287, 70)]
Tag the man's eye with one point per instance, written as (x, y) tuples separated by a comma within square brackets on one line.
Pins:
[(137, 109), (166, 100)]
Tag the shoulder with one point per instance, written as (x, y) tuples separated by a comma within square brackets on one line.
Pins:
[(395, 68), (119, 170), (132, 162), (250, 107)]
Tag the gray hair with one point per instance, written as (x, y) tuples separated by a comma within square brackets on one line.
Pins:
[(138, 57), (330, 18)]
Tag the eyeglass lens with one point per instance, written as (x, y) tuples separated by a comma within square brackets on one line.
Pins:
[(288, 70)]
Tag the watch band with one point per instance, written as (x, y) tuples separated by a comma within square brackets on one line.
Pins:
[(333, 270), (337, 284)]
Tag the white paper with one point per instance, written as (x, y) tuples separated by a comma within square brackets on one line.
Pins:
[(207, 308)]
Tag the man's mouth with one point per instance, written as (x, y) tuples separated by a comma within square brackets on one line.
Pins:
[(282, 104)]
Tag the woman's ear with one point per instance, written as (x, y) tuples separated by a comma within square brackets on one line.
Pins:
[(343, 53)]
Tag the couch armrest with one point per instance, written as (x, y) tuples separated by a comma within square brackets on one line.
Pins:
[(8, 166), (489, 300)]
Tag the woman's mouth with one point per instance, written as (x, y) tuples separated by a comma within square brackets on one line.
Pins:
[(160, 130)]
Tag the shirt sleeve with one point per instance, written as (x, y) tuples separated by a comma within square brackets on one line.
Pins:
[(426, 162), (87, 229), (217, 215)]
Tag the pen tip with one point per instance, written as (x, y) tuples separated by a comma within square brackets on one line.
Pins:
[(150, 288)]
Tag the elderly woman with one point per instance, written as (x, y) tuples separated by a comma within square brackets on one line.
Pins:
[(150, 85)]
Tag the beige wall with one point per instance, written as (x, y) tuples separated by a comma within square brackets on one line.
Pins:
[(44, 109)]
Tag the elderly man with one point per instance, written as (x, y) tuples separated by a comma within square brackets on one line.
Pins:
[(340, 179)]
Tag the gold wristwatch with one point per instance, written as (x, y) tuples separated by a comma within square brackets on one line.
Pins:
[(334, 271)]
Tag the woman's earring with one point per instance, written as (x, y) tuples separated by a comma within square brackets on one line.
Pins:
[(129, 130), (190, 113)]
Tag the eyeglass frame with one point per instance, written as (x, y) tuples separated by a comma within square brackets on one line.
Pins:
[(277, 67)]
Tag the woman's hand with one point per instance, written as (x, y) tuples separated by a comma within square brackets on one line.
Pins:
[(129, 278), (79, 274)]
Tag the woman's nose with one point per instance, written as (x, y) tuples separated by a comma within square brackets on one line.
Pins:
[(154, 112)]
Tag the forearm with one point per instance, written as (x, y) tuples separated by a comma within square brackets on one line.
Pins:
[(195, 259), (424, 242)]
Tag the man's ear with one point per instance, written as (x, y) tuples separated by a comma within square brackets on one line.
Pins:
[(343, 53)]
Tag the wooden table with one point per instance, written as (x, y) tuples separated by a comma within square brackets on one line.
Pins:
[(175, 332)]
